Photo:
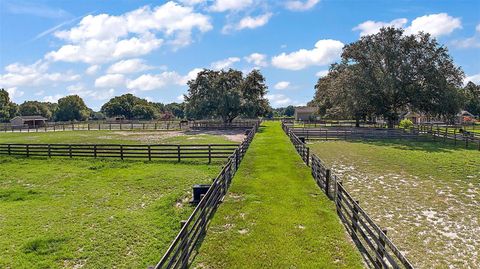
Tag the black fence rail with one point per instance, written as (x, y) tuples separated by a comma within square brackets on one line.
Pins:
[(373, 242), (459, 134), (81, 126), (150, 152), (181, 250), (223, 125), (299, 145), (336, 133)]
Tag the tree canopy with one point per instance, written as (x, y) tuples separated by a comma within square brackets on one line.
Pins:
[(132, 107), (72, 108), (472, 98), (33, 108), (8, 109), (387, 73), (226, 95)]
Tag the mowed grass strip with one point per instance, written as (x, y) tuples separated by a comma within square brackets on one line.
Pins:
[(87, 213), (275, 216)]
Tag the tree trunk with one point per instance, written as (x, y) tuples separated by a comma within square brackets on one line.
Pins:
[(357, 122)]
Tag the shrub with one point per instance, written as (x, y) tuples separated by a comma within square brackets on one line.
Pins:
[(406, 124)]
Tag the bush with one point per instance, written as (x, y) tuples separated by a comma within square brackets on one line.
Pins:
[(406, 124)]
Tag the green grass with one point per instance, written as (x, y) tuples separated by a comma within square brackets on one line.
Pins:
[(124, 137), (426, 194), (275, 216), (72, 213)]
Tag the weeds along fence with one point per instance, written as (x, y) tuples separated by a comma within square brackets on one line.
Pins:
[(179, 254), (372, 241), (150, 152)]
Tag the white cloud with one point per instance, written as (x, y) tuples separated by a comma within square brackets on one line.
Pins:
[(282, 85), (279, 100), (470, 42), (92, 70), (181, 98), (102, 38), (297, 5), (325, 52), (253, 22), (191, 75), (225, 63), (14, 93), (477, 28), (148, 82), (33, 75), (257, 59), (435, 24), (53, 98), (473, 78), (192, 2), (128, 66), (230, 5), (321, 73), (110, 80), (372, 27), (80, 90), (41, 92)]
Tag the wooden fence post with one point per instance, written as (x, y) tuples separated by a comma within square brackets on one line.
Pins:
[(121, 152), (9, 150), (149, 153), (308, 156), (381, 248), (178, 152), (28, 151), (355, 216), (70, 150), (455, 136), (209, 153), (327, 182), (49, 151), (94, 151)]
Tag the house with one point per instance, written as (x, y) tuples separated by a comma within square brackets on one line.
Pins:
[(30, 121), (464, 116), (416, 118), (305, 113)]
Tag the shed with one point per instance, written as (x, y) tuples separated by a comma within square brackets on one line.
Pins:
[(30, 121), (306, 113), (463, 115)]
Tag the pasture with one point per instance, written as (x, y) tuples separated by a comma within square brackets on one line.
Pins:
[(72, 213), (97, 213), (127, 137), (426, 194)]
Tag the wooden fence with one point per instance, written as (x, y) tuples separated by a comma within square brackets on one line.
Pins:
[(430, 132), (150, 152), (158, 125), (179, 254), (373, 242)]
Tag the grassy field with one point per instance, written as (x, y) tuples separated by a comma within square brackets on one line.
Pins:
[(275, 216), (86, 213), (426, 194), (126, 137)]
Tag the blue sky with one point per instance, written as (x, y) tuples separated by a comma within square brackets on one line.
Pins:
[(100, 49)]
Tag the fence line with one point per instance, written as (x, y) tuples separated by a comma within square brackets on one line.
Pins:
[(179, 254), (373, 242), (162, 125), (418, 132), (150, 152)]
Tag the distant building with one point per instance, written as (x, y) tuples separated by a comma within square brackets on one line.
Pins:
[(463, 115), (306, 113), (30, 121)]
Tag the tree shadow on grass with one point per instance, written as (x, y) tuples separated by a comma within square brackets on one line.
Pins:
[(422, 144)]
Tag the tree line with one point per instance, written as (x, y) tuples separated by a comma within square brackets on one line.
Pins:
[(389, 73), (212, 94)]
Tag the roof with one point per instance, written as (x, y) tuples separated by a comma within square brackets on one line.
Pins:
[(306, 109), (30, 118), (465, 113)]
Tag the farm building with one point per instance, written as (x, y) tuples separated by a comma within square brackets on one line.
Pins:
[(31, 121), (416, 118), (306, 113), (464, 116)]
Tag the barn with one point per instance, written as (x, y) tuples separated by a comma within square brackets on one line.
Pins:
[(30, 121), (306, 113)]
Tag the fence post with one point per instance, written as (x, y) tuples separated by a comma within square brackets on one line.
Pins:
[(70, 150), (9, 151), (455, 136), (28, 151), (94, 151), (209, 153), (381, 248), (121, 152), (49, 151), (327, 182), (308, 156), (466, 140), (149, 153), (355, 216), (178, 152)]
